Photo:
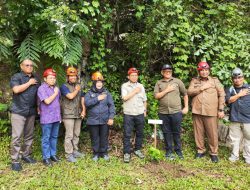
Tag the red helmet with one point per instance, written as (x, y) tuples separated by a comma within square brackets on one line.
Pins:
[(203, 65), (49, 71), (97, 76), (71, 71), (133, 70)]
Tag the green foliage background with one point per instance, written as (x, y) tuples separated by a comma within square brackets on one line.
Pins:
[(111, 36)]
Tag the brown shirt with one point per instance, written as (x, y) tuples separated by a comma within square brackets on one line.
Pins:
[(171, 102), (206, 102)]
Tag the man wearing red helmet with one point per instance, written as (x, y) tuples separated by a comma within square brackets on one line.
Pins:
[(50, 116), (23, 110), (134, 109), (73, 110), (207, 106)]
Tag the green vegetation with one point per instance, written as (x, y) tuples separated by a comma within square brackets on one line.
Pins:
[(139, 174)]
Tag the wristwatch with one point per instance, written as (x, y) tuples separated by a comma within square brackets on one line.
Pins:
[(220, 110)]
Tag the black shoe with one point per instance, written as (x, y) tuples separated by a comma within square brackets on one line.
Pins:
[(55, 159), (29, 160), (214, 158), (16, 166), (47, 162), (180, 155), (199, 155)]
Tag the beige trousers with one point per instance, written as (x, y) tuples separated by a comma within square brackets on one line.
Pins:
[(73, 129), (21, 127), (206, 125), (236, 133)]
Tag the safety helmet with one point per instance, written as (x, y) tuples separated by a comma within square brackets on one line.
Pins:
[(71, 71), (166, 66), (203, 65), (97, 76), (133, 70), (237, 72), (49, 71)]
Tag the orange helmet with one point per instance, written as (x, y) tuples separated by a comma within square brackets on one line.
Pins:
[(202, 65), (133, 70), (49, 71), (71, 71), (97, 76)]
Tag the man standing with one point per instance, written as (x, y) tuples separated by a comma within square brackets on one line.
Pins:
[(168, 91), (238, 99), (207, 106), (23, 111), (73, 110), (134, 109)]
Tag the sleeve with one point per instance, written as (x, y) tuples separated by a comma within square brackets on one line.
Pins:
[(42, 94), (64, 90), (221, 93), (193, 89), (183, 89), (90, 101), (111, 106), (124, 92), (82, 93), (156, 89), (14, 81), (144, 94)]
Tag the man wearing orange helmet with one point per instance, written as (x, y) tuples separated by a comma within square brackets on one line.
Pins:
[(100, 115), (134, 109), (23, 110), (207, 106), (73, 110), (50, 116)]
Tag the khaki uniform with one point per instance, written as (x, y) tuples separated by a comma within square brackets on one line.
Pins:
[(205, 106)]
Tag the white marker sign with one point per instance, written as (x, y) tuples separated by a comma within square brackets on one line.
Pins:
[(154, 121)]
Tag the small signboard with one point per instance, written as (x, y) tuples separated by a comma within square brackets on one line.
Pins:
[(155, 121)]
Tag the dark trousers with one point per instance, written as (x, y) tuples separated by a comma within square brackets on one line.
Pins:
[(99, 139), (171, 129), (133, 122)]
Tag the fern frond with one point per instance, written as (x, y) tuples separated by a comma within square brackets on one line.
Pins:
[(53, 45), (30, 48), (6, 42), (73, 51)]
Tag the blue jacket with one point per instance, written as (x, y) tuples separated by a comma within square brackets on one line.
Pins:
[(99, 112), (240, 109)]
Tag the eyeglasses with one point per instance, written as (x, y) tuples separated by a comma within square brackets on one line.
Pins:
[(28, 65), (240, 77)]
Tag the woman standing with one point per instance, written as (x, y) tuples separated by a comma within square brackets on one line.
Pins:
[(100, 115)]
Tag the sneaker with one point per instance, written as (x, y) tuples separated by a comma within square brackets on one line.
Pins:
[(199, 155), (55, 159), (126, 158), (180, 155), (233, 158), (16, 166), (214, 158), (247, 161), (29, 160), (139, 154), (47, 162), (77, 154), (71, 158), (95, 158), (106, 157), (170, 156)]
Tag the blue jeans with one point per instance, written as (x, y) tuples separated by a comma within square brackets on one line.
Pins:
[(132, 122), (49, 139), (171, 129)]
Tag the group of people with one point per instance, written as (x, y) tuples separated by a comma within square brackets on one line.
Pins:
[(70, 105)]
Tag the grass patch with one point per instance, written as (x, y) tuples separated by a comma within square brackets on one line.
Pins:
[(139, 174)]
